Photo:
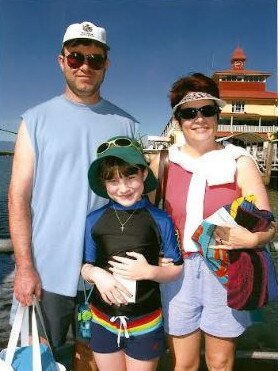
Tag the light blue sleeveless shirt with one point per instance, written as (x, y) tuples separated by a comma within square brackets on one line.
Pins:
[(65, 136)]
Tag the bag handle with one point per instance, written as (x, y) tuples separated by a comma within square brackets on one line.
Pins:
[(39, 312), (36, 352), (37, 355), (24, 331), (162, 178), (14, 335), (21, 325)]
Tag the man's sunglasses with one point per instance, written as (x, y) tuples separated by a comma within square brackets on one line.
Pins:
[(191, 113), (95, 61), (119, 142)]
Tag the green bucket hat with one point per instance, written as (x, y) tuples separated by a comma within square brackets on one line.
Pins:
[(126, 149)]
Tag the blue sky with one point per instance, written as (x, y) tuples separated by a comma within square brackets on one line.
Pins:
[(153, 43)]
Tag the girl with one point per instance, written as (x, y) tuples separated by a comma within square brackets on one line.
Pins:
[(123, 242)]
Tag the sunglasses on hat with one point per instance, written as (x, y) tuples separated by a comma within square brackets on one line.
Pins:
[(191, 113), (119, 142), (95, 61)]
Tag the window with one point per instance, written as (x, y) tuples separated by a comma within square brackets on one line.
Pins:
[(252, 78), (246, 78), (238, 107)]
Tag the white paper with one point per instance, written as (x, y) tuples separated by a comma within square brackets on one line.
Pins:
[(130, 285), (221, 217)]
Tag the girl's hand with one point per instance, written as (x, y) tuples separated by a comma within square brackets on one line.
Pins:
[(136, 268), (109, 288)]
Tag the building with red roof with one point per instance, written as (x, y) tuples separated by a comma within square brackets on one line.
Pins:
[(250, 107)]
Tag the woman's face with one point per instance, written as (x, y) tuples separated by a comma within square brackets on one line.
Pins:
[(200, 127)]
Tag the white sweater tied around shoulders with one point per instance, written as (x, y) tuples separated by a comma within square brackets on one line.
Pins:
[(213, 168)]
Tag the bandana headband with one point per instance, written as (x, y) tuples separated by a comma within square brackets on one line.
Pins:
[(199, 95)]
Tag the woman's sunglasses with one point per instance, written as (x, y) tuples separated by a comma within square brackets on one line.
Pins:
[(95, 61), (119, 142), (191, 113)]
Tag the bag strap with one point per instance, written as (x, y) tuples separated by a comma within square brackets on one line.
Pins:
[(162, 178), (20, 321), (21, 325), (39, 312), (14, 335), (86, 298), (36, 306), (24, 331), (36, 352)]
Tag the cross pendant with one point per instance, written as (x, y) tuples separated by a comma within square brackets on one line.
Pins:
[(122, 228)]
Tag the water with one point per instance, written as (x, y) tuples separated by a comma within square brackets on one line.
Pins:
[(6, 259), (261, 337), (6, 279), (5, 171)]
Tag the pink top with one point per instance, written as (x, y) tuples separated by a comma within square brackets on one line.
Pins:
[(176, 194)]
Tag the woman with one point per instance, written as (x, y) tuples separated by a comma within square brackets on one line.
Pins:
[(204, 176)]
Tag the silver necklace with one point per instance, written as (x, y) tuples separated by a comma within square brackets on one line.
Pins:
[(119, 220)]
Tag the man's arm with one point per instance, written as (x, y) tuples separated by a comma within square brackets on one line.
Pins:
[(27, 281)]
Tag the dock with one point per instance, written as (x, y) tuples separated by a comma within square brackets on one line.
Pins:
[(255, 353)]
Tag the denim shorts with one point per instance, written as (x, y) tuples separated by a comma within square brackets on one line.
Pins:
[(197, 300), (142, 347)]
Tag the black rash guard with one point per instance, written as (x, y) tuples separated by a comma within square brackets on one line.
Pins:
[(149, 231)]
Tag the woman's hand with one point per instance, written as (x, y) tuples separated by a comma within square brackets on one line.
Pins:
[(136, 268), (234, 237)]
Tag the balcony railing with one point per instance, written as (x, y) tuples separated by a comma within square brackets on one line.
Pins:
[(248, 128), (229, 128)]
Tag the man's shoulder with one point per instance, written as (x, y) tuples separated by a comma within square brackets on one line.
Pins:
[(40, 107)]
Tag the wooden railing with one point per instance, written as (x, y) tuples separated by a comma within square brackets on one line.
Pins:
[(232, 129), (248, 128)]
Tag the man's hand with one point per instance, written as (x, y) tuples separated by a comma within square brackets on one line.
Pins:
[(26, 284)]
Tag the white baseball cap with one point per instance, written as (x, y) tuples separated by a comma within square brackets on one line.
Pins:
[(199, 95), (86, 30)]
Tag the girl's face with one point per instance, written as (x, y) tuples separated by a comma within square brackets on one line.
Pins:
[(126, 190), (199, 128)]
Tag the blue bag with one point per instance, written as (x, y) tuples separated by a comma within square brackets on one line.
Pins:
[(22, 360), (35, 357)]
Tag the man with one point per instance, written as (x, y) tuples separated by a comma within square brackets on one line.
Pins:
[(49, 194)]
